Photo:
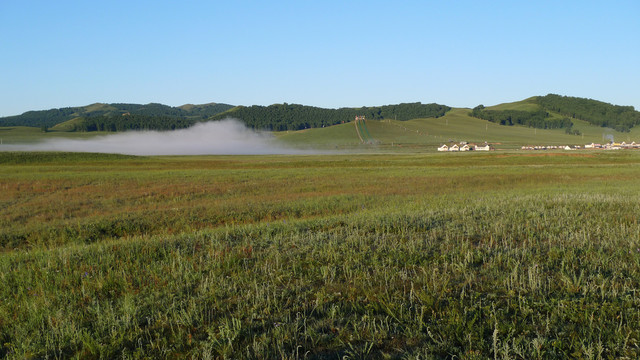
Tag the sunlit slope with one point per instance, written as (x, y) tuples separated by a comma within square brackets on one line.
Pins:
[(528, 104), (340, 136), (592, 133), (456, 125), (70, 125)]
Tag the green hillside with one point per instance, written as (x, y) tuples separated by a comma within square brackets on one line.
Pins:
[(621, 118), (281, 117), (528, 104), (427, 134), (69, 125), (99, 112), (555, 111), (403, 127)]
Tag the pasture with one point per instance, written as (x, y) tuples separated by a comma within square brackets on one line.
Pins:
[(506, 255), (425, 135)]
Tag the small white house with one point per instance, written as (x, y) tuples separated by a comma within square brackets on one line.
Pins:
[(486, 147), (443, 148), (454, 147), (465, 147)]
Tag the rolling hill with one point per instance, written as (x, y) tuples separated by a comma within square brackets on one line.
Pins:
[(282, 117), (555, 111), (54, 118), (401, 127), (455, 126)]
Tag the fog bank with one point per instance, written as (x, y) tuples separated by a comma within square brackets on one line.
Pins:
[(226, 137)]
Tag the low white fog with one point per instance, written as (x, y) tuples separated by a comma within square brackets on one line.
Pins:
[(226, 137)]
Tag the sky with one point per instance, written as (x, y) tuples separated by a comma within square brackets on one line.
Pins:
[(321, 53)]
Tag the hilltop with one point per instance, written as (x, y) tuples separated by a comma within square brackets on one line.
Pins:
[(81, 118), (556, 126), (555, 111), (549, 120), (281, 117)]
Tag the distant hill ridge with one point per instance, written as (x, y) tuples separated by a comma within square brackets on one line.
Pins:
[(556, 111), (547, 112), (50, 118), (280, 117)]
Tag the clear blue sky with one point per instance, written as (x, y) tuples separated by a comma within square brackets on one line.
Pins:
[(321, 53)]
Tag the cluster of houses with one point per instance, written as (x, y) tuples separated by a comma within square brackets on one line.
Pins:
[(464, 147), (551, 147), (613, 146), (607, 146)]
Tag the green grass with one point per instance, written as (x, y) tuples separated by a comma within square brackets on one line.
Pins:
[(26, 135), (69, 125), (425, 135), (528, 104), (403, 256), (418, 135)]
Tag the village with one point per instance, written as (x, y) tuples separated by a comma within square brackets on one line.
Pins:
[(606, 146), (464, 146)]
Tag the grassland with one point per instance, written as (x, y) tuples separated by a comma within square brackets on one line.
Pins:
[(12, 135), (528, 104), (418, 135), (425, 135), (407, 256)]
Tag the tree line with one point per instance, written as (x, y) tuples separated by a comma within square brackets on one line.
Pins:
[(277, 117), (40, 118), (132, 122), (111, 114), (620, 118), (281, 117), (537, 119)]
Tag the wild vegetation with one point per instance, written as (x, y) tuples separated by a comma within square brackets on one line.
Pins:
[(554, 111), (540, 112), (117, 117), (538, 119), (282, 117), (621, 118), (470, 256)]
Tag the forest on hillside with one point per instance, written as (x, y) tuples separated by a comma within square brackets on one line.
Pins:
[(536, 119), (598, 113), (620, 118), (114, 114), (281, 117), (277, 117), (133, 122)]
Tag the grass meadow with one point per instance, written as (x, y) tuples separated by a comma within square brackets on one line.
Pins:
[(502, 255), (425, 135)]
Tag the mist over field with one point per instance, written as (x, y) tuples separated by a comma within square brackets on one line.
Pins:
[(225, 137)]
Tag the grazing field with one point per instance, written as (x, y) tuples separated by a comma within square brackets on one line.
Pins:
[(504, 255), (425, 135), (26, 135)]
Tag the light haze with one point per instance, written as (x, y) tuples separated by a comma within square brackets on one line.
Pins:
[(226, 137)]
